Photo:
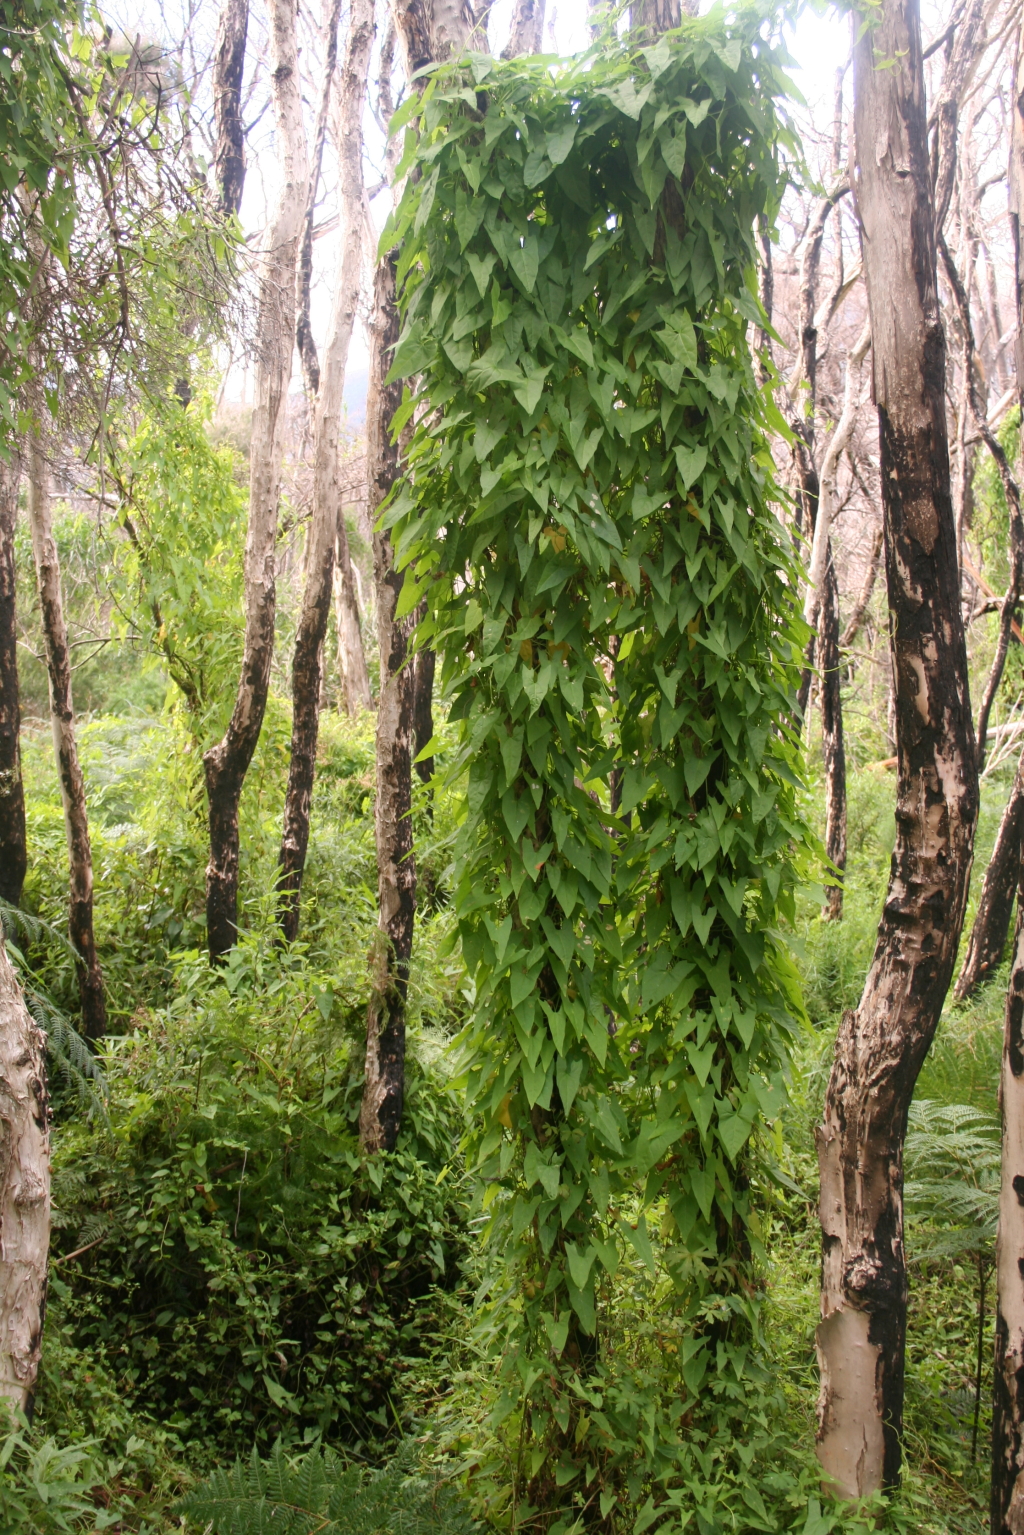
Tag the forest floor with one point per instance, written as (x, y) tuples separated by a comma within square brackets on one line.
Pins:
[(225, 1275)]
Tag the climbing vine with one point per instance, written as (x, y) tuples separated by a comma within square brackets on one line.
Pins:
[(588, 510)]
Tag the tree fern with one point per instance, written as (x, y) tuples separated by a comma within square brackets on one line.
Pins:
[(317, 1494), (66, 1050)]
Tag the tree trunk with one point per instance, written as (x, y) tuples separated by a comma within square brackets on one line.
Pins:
[(527, 34), (355, 679), (62, 718), (307, 667), (228, 69), (227, 763), (380, 1113), (423, 718), (429, 31), (24, 1191), (860, 607), (1007, 1507), (833, 748), (13, 847), (881, 1046), (992, 919), (303, 326)]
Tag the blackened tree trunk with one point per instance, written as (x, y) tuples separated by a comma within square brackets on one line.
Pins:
[(13, 847), (881, 1046), (995, 908), (380, 1113), (423, 722), (62, 718), (1007, 1508), (832, 745), (428, 31), (227, 763), (24, 1191), (307, 666), (228, 69)]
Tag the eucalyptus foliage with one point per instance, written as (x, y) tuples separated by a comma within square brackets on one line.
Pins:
[(588, 512)]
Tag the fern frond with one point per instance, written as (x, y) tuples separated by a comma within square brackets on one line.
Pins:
[(31, 929), (68, 1052), (317, 1494)]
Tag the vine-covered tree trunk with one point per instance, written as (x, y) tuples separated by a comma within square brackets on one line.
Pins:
[(62, 718), (307, 666), (24, 1191), (380, 1113), (881, 1045), (1007, 1505), (228, 69), (995, 908), (355, 679), (227, 763), (833, 748), (13, 847)]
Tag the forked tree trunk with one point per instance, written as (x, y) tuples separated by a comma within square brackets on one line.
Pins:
[(355, 679), (832, 744), (1007, 1507), (995, 908), (228, 69), (13, 847), (860, 607), (881, 1046), (307, 667), (62, 719), (227, 763), (380, 1113), (24, 1191)]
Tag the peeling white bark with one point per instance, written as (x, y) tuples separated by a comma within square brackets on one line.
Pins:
[(838, 443), (24, 1191)]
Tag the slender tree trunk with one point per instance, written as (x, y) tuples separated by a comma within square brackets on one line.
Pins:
[(228, 69), (429, 31), (24, 1191), (833, 748), (881, 1046), (227, 763), (355, 679), (860, 607), (995, 908), (62, 718), (303, 327), (13, 846), (384, 1081), (307, 667), (1007, 1510), (423, 720)]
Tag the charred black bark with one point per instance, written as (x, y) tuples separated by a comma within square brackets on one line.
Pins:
[(995, 908), (380, 1113), (833, 748), (13, 846), (228, 69), (881, 1046)]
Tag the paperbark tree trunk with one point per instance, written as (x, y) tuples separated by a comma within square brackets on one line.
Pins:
[(307, 667), (228, 69), (227, 763), (24, 1191), (527, 34), (881, 1046), (355, 679), (992, 919), (13, 846), (1007, 1505), (380, 1113), (62, 719)]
